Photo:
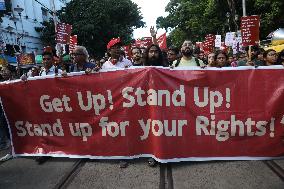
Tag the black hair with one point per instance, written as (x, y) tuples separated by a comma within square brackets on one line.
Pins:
[(47, 53), (266, 52), (240, 53), (159, 62), (261, 51), (136, 48), (253, 48), (280, 60), (172, 48), (220, 52)]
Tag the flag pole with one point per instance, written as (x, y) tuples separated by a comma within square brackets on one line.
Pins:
[(244, 7)]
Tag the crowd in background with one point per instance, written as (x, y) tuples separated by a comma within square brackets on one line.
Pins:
[(115, 57)]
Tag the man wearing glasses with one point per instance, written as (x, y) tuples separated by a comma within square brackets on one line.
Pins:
[(187, 58), (80, 59)]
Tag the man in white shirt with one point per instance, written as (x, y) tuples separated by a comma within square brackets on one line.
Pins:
[(116, 60), (48, 65)]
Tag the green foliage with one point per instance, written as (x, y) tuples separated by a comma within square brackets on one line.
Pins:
[(193, 19), (96, 22)]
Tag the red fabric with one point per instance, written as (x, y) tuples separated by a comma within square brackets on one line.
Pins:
[(63, 33), (73, 43), (245, 94), (113, 42), (143, 42), (127, 50), (250, 30), (208, 44), (162, 41)]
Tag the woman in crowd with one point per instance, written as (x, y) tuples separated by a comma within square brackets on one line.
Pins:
[(221, 59), (210, 60), (270, 57)]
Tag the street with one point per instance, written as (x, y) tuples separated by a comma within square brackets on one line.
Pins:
[(25, 173)]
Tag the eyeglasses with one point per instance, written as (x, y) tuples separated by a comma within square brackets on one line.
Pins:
[(272, 54)]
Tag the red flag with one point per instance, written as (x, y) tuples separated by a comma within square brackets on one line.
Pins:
[(126, 49), (143, 42), (162, 41)]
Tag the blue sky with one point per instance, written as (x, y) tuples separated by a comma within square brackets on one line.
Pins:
[(151, 10)]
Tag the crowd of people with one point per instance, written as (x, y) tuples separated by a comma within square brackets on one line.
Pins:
[(115, 57), (173, 57)]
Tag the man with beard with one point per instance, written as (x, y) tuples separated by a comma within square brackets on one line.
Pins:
[(137, 56), (116, 60), (187, 58), (154, 56)]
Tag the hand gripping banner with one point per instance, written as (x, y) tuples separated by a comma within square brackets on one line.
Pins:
[(171, 115)]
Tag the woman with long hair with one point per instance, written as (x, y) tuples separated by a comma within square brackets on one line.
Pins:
[(221, 59), (270, 57)]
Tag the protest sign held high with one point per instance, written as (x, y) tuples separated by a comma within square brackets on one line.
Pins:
[(174, 115), (250, 30)]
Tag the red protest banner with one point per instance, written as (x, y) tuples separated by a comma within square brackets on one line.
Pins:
[(175, 115), (250, 30), (63, 32), (208, 44), (143, 42)]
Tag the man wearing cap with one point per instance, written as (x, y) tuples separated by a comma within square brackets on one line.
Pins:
[(115, 60)]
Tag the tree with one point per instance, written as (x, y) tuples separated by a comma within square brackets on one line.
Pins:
[(271, 15), (193, 19), (95, 22)]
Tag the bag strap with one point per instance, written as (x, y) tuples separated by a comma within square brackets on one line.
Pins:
[(197, 61), (177, 63)]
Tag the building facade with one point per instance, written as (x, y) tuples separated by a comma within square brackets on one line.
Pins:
[(17, 30)]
